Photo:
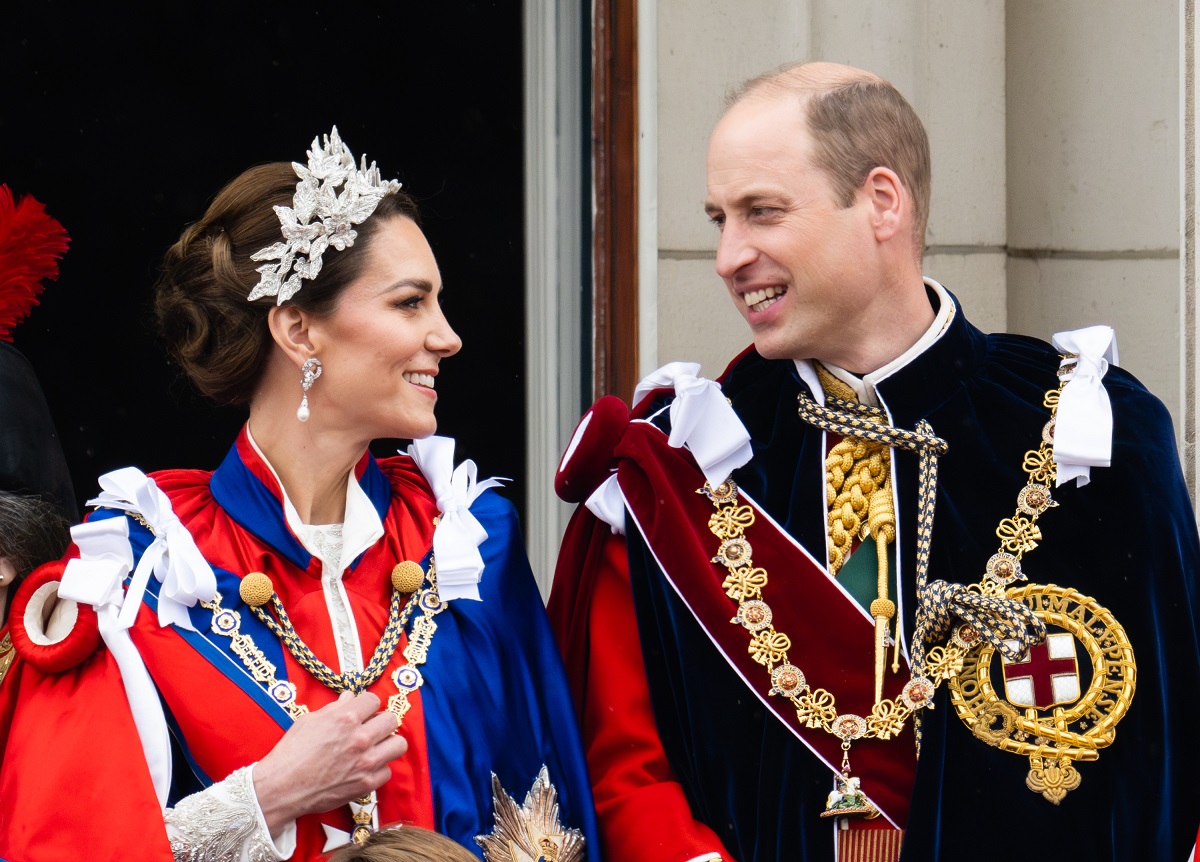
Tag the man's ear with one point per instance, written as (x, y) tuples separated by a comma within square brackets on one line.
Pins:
[(889, 201), (290, 329)]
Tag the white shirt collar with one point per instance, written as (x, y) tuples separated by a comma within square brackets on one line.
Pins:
[(864, 387), (361, 529)]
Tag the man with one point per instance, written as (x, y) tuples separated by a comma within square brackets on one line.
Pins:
[(908, 493)]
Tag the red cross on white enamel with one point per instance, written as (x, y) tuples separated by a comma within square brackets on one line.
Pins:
[(1040, 668)]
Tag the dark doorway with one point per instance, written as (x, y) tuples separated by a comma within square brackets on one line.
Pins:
[(124, 124)]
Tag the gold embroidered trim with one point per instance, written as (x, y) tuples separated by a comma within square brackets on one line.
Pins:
[(7, 654)]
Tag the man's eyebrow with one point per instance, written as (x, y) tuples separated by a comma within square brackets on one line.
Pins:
[(746, 199)]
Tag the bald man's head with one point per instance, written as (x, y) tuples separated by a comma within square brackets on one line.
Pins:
[(858, 121), (802, 79)]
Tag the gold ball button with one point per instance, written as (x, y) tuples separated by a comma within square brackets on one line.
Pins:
[(408, 576), (256, 589), (883, 608)]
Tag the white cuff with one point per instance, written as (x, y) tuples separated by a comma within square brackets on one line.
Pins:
[(225, 823), (608, 504)]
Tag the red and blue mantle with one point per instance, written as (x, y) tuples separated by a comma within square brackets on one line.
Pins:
[(494, 697)]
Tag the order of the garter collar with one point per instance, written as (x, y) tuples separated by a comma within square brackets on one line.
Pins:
[(332, 196)]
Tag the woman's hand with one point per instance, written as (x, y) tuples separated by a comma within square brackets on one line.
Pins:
[(326, 759)]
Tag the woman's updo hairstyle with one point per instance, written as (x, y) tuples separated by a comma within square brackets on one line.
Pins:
[(219, 338)]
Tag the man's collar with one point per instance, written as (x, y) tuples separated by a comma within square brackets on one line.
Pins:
[(865, 387)]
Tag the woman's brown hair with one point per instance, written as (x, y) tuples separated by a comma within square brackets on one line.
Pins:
[(405, 844), (218, 337)]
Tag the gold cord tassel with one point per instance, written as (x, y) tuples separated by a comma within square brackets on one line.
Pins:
[(881, 526), (858, 489)]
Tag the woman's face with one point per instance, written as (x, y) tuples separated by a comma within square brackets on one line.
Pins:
[(381, 346)]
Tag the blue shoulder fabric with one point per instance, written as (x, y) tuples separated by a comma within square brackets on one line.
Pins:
[(519, 714), (249, 502)]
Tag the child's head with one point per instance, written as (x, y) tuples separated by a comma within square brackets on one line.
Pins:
[(405, 844)]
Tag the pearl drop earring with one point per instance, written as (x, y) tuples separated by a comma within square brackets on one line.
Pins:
[(310, 371)]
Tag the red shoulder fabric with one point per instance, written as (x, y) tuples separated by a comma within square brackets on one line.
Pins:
[(642, 809), (9, 683), (589, 459), (79, 643), (80, 716), (569, 606)]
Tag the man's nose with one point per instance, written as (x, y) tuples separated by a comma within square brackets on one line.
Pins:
[(734, 251)]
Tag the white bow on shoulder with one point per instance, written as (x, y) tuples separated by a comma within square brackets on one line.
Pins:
[(701, 419), (1083, 427), (458, 535), (96, 578)]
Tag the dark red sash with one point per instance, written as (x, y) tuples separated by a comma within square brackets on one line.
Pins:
[(829, 631)]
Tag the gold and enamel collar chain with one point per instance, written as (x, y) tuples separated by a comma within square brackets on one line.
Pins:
[(257, 591), (1006, 624), (1045, 713)]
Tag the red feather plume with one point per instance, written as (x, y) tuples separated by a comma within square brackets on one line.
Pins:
[(31, 242)]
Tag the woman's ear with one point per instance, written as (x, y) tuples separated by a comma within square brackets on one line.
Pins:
[(8, 572), (290, 330)]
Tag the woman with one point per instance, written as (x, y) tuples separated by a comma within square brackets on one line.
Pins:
[(272, 659)]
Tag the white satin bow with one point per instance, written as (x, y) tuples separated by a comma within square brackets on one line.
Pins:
[(97, 576), (1083, 425), (459, 534), (172, 557), (701, 419), (105, 559)]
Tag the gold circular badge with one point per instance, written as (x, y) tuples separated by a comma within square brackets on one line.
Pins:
[(1044, 706)]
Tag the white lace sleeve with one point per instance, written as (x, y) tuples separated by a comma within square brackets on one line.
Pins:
[(224, 823)]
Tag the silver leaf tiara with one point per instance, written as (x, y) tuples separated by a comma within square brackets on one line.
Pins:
[(331, 197)]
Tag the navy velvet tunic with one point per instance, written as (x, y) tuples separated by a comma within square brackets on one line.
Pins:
[(1128, 539)]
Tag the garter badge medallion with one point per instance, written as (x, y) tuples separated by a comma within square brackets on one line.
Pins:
[(1046, 706)]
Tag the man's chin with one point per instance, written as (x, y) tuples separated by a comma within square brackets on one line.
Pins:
[(773, 348)]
